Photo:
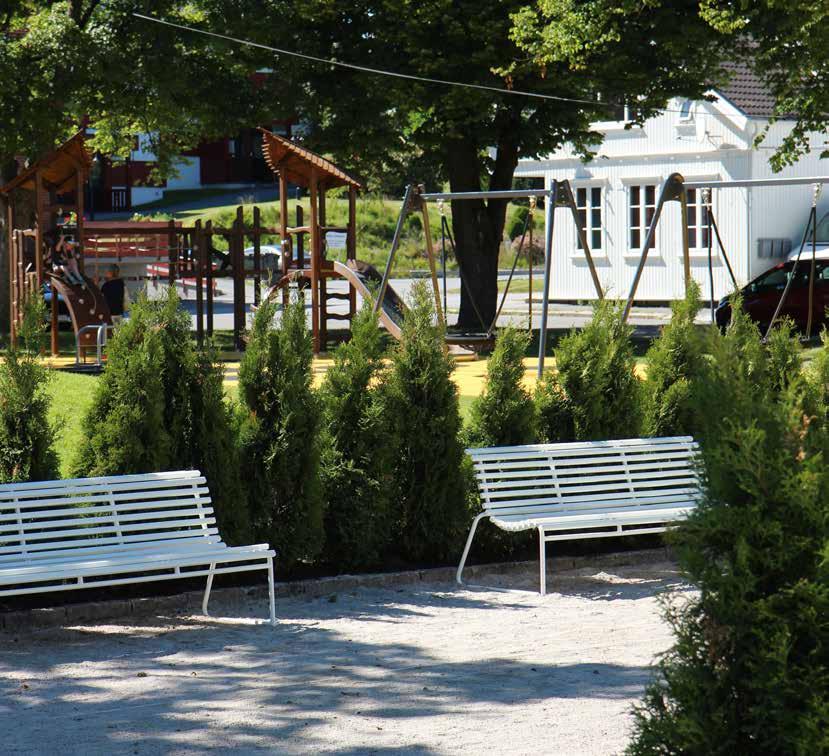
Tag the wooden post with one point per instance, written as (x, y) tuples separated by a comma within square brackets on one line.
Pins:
[(79, 207), (351, 245), (237, 246), (257, 255), (313, 222), (430, 253), (198, 242), (40, 210), (10, 240), (172, 256), (686, 255), (286, 246), (208, 246)]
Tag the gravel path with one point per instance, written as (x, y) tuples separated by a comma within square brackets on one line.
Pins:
[(419, 670)]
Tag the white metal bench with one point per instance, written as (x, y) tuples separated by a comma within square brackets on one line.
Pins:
[(590, 489), (63, 535)]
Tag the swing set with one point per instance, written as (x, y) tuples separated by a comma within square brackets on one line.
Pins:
[(675, 189), (560, 195)]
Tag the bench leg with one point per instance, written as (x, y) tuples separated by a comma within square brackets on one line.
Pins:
[(207, 591), (271, 597), (542, 561), (466, 548)]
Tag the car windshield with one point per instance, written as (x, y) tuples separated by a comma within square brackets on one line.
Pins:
[(823, 229)]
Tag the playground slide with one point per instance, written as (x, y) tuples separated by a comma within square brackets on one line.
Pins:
[(366, 279), (86, 306)]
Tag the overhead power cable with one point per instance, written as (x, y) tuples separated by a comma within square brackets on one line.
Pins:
[(384, 72)]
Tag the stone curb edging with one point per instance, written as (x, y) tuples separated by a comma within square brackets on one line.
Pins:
[(190, 602)]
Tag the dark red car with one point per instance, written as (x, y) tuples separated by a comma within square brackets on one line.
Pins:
[(760, 296)]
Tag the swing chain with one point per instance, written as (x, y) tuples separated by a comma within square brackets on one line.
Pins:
[(816, 190), (441, 208)]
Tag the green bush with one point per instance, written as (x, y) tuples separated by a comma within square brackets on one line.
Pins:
[(421, 403), (749, 670), (595, 387), (279, 435), (357, 450), (27, 437), (160, 406), (556, 422), (517, 220), (504, 414), (672, 364)]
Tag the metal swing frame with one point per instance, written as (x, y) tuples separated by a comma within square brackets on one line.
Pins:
[(675, 189), (558, 195)]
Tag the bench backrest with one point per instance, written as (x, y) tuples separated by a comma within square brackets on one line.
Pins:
[(57, 518), (586, 476)]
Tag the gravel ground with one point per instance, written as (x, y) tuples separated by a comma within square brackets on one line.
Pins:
[(415, 670)]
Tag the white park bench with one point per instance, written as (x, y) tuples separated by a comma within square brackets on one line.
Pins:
[(61, 535), (589, 489)]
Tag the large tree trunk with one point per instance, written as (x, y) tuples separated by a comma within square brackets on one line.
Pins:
[(478, 228)]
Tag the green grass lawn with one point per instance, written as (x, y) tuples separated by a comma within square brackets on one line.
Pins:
[(71, 395)]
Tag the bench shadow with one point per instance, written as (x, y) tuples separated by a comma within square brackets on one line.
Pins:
[(169, 683)]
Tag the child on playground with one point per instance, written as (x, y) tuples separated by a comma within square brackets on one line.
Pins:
[(64, 260)]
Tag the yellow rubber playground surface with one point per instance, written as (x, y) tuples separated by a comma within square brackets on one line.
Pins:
[(469, 374)]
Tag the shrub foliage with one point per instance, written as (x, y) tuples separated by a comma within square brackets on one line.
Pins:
[(421, 403), (749, 670), (279, 435), (594, 394), (159, 405), (357, 450), (504, 414), (27, 437), (673, 362)]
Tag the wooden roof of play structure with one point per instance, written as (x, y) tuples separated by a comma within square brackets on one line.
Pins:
[(296, 163), (58, 168)]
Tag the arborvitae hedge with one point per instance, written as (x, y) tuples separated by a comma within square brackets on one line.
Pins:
[(27, 437), (358, 453), (504, 414), (595, 390), (280, 450), (421, 403), (160, 406), (673, 361), (749, 670)]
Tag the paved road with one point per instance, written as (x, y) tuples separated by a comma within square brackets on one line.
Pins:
[(516, 308)]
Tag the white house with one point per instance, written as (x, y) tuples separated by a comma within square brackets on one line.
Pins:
[(617, 190)]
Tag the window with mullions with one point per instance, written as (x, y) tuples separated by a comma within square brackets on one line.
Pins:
[(589, 205), (642, 205), (697, 221)]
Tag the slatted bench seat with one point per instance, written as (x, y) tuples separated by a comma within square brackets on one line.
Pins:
[(591, 489), (61, 535)]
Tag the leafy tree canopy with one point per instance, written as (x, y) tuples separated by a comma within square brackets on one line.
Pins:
[(64, 62)]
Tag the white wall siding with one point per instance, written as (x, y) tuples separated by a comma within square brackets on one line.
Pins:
[(717, 145)]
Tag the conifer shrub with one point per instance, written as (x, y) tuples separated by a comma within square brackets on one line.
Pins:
[(27, 437), (160, 405), (279, 445), (673, 361), (555, 418), (357, 450), (421, 403), (749, 669), (594, 386), (504, 414)]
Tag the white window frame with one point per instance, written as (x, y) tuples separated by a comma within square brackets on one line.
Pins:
[(588, 186), (699, 247), (642, 185)]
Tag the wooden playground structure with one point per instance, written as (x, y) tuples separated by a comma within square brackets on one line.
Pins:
[(56, 182)]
